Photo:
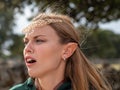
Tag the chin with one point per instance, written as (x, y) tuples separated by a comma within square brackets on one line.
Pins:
[(31, 74)]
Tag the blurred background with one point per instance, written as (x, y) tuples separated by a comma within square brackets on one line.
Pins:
[(98, 22)]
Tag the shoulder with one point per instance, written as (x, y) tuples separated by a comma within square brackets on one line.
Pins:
[(29, 83)]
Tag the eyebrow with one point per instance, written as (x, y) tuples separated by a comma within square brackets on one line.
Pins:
[(36, 36)]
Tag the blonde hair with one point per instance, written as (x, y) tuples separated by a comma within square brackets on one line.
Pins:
[(82, 73)]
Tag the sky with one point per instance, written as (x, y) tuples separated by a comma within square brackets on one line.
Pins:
[(22, 22), (113, 25)]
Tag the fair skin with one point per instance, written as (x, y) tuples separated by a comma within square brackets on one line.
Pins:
[(44, 56)]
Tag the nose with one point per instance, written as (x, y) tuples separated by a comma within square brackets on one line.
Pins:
[(28, 48)]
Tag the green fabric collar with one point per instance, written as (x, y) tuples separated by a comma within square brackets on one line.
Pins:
[(30, 84), (65, 86)]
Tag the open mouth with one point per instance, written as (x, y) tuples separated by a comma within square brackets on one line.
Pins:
[(31, 61)]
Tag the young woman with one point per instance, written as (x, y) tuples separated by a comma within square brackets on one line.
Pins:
[(54, 59)]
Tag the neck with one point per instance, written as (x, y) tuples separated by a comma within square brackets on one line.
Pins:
[(48, 83), (51, 81), (48, 86)]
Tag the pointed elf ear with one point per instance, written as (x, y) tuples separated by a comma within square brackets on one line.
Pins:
[(69, 49)]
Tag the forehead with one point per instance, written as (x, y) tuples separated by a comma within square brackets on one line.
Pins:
[(46, 30)]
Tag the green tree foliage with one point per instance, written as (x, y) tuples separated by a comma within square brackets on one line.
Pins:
[(6, 23), (16, 47), (92, 11), (102, 44), (7, 37)]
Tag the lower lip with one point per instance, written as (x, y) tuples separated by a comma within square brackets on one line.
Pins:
[(30, 64)]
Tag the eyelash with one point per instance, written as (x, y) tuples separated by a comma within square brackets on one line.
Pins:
[(39, 41)]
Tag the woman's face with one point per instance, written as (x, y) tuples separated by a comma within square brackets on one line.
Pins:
[(43, 52)]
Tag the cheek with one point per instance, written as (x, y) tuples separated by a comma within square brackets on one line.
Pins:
[(49, 55)]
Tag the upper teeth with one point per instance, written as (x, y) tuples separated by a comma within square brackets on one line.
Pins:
[(29, 60)]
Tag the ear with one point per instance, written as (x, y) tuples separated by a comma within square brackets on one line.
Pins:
[(69, 50)]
